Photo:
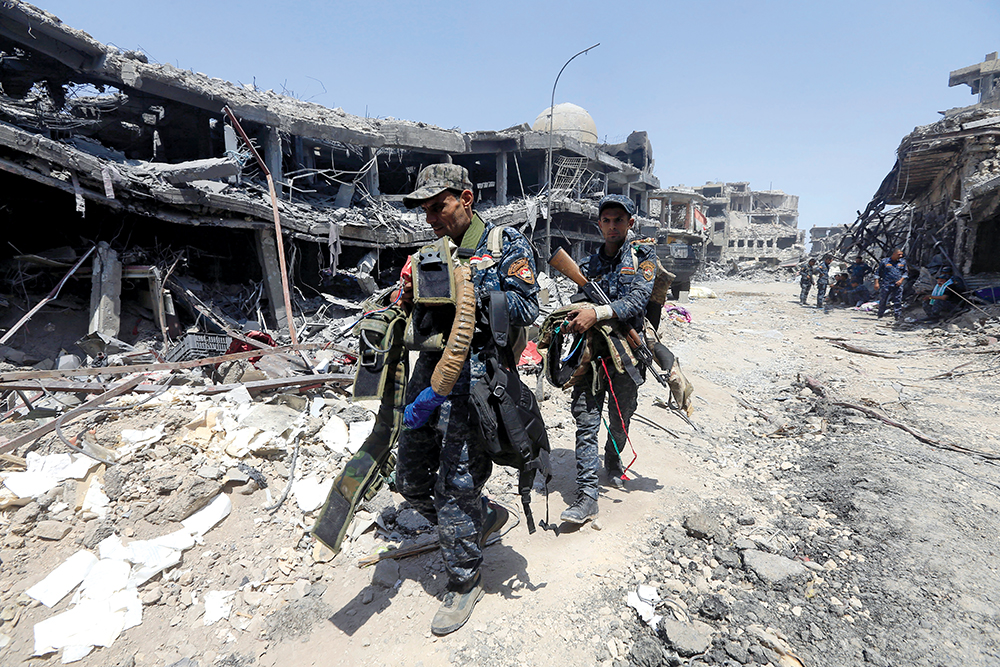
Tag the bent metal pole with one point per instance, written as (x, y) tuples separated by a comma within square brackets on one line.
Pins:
[(277, 223)]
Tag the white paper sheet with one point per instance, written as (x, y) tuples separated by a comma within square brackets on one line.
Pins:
[(53, 588)]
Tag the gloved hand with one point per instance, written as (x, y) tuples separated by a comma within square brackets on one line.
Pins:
[(419, 411)]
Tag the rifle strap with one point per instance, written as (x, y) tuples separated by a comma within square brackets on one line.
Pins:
[(626, 357)]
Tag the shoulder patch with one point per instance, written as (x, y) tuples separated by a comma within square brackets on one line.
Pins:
[(521, 268), (648, 270)]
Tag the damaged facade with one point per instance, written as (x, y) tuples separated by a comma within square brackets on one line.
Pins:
[(102, 145), (745, 224), (823, 240), (941, 201)]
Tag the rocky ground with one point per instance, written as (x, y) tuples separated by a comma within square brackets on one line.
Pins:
[(787, 529)]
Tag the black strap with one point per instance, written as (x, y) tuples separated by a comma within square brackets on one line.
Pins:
[(626, 358)]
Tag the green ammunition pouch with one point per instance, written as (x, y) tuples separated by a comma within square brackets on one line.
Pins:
[(380, 345), (434, 296)]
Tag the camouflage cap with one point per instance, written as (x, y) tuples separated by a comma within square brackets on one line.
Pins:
[(617, 200), (435, 179)]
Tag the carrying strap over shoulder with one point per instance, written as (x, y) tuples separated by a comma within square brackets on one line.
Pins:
[(494, 250)]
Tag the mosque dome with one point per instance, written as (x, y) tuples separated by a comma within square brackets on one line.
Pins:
[(569, 119)]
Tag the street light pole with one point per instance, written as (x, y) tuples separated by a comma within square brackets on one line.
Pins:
[(548, 157)]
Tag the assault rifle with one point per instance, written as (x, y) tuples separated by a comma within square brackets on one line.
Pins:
[(564, 264)]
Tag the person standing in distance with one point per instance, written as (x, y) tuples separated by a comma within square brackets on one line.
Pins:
[(889, 283)]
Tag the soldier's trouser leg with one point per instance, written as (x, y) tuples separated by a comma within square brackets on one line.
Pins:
[(418, 452), (626, 391), (883, 299), (804, 293), (896, 297), (586, 408), (465, 467), (820, 294)]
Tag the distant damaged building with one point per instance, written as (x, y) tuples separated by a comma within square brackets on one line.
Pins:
[(97, 144), (941, 201), (747, 224)]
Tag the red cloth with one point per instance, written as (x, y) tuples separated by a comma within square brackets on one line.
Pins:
[(240, 346), (530, 355)]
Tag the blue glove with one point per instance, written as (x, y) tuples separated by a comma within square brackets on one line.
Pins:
[(419, 411)]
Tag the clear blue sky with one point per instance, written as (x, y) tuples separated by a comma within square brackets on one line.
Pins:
[(810, 98)]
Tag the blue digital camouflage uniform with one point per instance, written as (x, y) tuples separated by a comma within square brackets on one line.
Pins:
[(441, 467), (857, 272), (858, 293), (889, 273), (822, 272), (627, 279), (805, 282)]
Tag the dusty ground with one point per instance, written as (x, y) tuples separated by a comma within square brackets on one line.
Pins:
[(785, 523)]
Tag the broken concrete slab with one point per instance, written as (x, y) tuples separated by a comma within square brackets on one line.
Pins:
[(52, 530), (687, 639), (192, 495), (773, 569), (193, 170)]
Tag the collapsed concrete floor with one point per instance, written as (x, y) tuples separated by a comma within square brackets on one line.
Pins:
[(786, 523)]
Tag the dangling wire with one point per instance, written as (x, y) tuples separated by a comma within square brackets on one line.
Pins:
[(576, 347), (618, 407), (399, 295)]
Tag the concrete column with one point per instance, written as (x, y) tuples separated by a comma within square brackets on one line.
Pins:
[(501, 178), (272, 157), (371, 178), (105, 292), (267, 254), (232, 145)]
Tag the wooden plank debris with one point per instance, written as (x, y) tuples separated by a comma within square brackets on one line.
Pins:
[(875, 414), (280, 383), (863, 350), (56, 386), (118, 389), (148, 368)]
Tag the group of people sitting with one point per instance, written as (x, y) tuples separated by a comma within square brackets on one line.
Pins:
[(888, 281), (849, 287)]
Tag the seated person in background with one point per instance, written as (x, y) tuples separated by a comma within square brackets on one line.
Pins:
[(857, 293), (943, 299), (838, 291)]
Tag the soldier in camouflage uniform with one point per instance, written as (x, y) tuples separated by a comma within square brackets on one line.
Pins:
[(625, 268), (441, 463), (822, 272), (806, 280)]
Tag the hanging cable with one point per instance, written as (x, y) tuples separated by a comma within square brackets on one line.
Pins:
[(618, 407)]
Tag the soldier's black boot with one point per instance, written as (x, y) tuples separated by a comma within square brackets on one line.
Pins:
[(613, 464), (582, 511)]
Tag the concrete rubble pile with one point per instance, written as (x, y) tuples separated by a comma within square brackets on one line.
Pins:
[(118, 523)]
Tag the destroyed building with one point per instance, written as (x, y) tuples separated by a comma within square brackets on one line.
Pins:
[(100, 145), (745, 224), (940, 202), (823, 240)]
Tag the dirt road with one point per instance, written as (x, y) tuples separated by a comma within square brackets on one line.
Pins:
[(786, 525)]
